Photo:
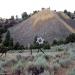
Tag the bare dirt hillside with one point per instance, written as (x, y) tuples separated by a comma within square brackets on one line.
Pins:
[(47, 24)]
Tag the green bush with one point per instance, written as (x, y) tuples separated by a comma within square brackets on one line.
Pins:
[(55, 42), (46, 45), (17, 46), (70, 38), (59, 42), (3, 30)]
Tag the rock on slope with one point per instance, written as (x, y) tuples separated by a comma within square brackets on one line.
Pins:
[(45, 23)]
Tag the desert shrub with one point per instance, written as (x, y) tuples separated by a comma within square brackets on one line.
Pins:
[(56, 66), (47, 57), (72, 72), (21, 51), (72, 55), (19, 57), (35, 70), (60, 49), (65, 63)]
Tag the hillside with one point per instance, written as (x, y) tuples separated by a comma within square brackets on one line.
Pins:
[(67, 19), (47, 24)]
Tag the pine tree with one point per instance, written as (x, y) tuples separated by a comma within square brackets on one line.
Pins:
[(7, 39), (22, 47), (11, 43), (0, 38), (17, 46), (24, 15)]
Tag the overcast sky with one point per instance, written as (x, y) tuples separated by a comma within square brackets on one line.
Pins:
[(16, 7)]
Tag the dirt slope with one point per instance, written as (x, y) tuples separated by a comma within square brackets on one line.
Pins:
[(47, 24)]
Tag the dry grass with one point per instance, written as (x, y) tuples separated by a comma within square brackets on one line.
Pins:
[(41, 16)]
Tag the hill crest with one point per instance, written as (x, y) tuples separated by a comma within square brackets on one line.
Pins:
[(45, 23)]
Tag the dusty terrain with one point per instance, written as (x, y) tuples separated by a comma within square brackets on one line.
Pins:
[(53, 61)]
